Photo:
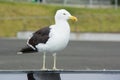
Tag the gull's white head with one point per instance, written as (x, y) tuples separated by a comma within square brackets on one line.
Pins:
[(63, 14)]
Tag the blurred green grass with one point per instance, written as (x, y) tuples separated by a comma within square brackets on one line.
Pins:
[(31, 16)]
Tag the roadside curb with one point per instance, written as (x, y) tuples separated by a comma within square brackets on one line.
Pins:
[(81, 36), (95, 36)]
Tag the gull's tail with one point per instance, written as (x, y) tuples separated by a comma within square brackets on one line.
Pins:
[(27, 49)]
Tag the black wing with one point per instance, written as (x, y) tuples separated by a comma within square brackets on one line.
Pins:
[(40, 36)]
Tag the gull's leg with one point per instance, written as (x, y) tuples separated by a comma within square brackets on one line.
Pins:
[(44, 60), (54, 62)]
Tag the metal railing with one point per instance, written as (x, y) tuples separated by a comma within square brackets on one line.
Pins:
[(80, 3)]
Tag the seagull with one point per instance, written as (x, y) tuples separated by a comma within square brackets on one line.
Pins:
[(51, 39)]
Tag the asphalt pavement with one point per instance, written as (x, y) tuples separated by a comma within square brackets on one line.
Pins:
[(79, 55)]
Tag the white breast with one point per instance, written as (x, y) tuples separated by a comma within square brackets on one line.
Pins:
[(59, 38)]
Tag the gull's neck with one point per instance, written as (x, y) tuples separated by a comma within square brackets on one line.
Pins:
[(62, 25), (61, 22)]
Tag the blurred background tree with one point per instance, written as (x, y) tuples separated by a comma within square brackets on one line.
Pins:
[(113, 2)]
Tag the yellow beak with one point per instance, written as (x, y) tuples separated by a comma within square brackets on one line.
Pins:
[(73, 18)]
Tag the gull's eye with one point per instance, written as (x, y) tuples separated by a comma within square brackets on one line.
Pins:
[(64, 14)]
